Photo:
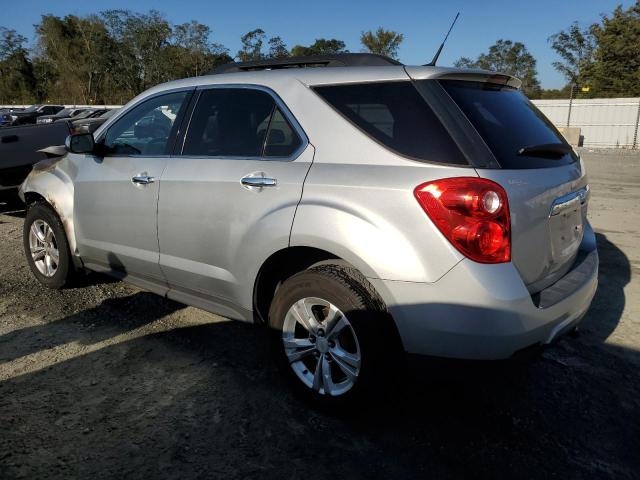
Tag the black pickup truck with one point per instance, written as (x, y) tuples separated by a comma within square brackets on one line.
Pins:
[(19, 151), (20, 147)]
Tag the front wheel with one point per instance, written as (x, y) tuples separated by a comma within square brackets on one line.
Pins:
[(46, 247), (328, 326)]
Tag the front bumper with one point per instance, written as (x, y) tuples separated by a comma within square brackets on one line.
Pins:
[(479, 311)]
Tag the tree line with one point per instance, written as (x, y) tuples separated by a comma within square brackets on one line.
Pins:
[(109, 57)]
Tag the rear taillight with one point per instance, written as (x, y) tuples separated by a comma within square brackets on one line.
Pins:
[(473, 213)]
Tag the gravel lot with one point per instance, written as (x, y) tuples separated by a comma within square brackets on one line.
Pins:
[(108, 381)]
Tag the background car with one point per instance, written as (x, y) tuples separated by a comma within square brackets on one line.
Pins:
[(91, 123), (63, 114), (90, 113), (28, 115)]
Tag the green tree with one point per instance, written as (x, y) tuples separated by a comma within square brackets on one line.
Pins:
[(576, 46), (616, 70), (142, 49), (17, 80), (195, 53), (511, 58), (252, 43), (321, 46), (382, 42), (277, 48), (78, 48)]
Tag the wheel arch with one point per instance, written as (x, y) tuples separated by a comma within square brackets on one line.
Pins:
[(48, 183), (299, 258), (287, 262), (277, 268)]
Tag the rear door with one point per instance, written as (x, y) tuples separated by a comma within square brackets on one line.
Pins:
[(229, 195), (542, 175)]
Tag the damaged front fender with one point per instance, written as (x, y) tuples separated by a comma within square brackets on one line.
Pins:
[(52, 180)]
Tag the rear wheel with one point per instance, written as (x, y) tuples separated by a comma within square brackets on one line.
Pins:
[(46, 247), (328, 329)]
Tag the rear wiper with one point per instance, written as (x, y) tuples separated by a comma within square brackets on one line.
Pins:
[(547, 150)]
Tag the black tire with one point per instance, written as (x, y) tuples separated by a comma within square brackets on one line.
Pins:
[(65, 270), (348, 290)]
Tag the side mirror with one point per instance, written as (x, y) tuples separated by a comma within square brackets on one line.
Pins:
[(80, 143)]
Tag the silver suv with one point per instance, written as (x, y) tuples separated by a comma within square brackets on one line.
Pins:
[(357, 210)]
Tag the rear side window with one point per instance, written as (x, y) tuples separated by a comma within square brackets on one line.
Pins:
[(239, 122), (395, 115), (508, 122), (282, 140)]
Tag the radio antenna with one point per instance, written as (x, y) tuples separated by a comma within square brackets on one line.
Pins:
[(432, 63)]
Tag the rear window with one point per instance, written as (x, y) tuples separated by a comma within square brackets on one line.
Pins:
[(508, 122), (395, 115)]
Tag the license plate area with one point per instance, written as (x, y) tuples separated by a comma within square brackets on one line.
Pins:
[(565, 227)]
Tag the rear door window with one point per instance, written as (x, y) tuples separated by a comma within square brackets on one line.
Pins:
[(508, 122), (230, 122), (395, 115)]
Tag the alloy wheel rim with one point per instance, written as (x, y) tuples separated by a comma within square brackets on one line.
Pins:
[(44, 248), (321, 346)]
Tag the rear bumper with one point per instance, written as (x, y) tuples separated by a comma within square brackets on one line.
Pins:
[(479, 311)]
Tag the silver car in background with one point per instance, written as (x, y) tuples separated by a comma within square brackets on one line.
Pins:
[(360, 211)]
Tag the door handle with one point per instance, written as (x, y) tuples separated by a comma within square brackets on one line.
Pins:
[(258, 182), (142, 180)]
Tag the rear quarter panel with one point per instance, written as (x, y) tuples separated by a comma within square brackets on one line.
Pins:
[(358, 201), (368, 216)]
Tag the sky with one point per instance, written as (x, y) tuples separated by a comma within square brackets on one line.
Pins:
[(423, 23)]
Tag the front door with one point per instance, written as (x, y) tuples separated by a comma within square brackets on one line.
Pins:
[(116, 194)]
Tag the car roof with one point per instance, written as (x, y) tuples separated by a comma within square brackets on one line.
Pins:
[(334, 75)]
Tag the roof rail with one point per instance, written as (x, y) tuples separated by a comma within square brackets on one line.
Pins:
[(335, 60)]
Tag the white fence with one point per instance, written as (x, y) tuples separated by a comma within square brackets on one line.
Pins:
[(603, 122)]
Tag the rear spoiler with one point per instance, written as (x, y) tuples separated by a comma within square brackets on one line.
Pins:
[(497, 78), (469, 75)]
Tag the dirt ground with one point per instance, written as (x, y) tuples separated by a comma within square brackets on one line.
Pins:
[(107, 381)]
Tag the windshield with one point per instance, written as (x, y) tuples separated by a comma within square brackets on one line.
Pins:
[(510, 125), (84, 114), (65, 112), (32, 108)]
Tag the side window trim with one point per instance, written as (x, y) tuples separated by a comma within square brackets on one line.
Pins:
[(173, 133), (266, 133), (185, 122), (279, 104), (470, 142)]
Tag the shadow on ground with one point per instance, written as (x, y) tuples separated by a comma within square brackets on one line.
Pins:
[(205, 401), (11, 205)]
